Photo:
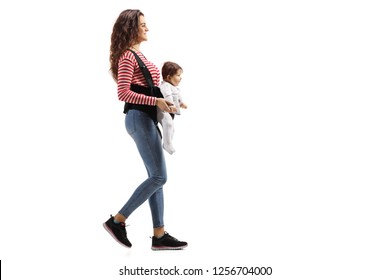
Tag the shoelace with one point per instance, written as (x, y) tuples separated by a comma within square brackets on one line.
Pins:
[(170, 236), (166, 235), (121, 223)]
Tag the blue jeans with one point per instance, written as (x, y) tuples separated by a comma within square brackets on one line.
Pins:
[(147, 138)]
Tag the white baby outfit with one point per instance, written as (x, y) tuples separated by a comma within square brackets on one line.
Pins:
[(171, 94)]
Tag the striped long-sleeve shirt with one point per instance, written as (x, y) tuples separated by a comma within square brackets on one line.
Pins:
[(130, 73)]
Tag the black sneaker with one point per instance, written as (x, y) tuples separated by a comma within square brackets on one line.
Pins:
[(167, 242), (118, 231)]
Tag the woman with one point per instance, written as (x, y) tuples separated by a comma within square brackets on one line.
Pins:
[(128, 33)]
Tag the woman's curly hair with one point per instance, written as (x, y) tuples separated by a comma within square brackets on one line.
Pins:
[(124, 34)]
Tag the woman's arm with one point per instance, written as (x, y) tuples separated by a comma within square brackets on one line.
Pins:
[(126, 68)]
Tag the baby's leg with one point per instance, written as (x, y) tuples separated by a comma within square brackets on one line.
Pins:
[(168, 131)]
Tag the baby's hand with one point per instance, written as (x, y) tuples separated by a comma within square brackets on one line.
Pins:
[(183, 105), (173, 109)]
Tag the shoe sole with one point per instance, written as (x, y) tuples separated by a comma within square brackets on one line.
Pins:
[(113, 235), (168, 248)]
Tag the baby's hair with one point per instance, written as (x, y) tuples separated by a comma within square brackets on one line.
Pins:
[(169, 69)]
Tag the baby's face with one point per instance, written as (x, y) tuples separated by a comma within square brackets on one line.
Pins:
[(176, 78)]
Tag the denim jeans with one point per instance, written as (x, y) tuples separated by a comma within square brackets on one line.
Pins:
[(144, 132)]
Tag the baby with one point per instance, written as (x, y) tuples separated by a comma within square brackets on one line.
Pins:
[(171, 74)]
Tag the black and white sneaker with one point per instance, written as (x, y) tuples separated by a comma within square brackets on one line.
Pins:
[(167, 242), (117, 231)]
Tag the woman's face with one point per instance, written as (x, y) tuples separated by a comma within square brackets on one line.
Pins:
[(142, 30)]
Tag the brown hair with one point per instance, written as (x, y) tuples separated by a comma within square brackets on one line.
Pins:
[(169, 69), (124, 33)]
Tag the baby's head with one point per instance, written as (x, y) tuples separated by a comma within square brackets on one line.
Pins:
[(171, 73)]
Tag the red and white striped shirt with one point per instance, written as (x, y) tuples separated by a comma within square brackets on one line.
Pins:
[(129, 73)]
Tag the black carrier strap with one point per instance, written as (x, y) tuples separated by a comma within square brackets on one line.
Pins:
[(151, 90), (144, 69)]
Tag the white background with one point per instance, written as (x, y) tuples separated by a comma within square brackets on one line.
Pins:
[(282, 156)]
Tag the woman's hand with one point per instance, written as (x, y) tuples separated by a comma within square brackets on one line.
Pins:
[(165, 106)]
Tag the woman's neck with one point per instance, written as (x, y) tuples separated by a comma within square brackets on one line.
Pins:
[(135, 47)]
